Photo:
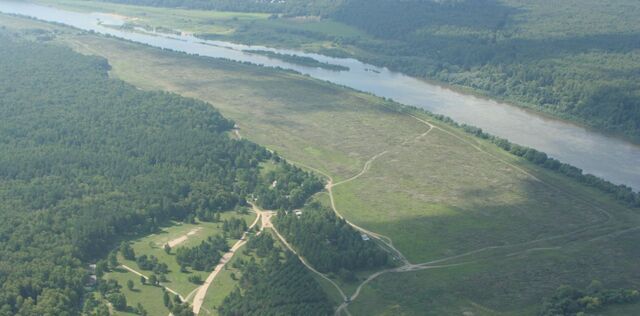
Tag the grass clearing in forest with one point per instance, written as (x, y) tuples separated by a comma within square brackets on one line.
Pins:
[(195, 233), (150, 297), (435, 196)]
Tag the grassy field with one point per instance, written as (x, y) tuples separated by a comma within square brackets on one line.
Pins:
[(151, 296), (435, 195), (507, 285), (153, 245)]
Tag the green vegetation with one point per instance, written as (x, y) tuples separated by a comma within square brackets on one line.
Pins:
[(570, 301), (576, 59), (436, 193), (180, 277), (290, 187), (86, 160), (205, 256), (299, 60), (620, 192), (291, 7), (329, 242), (275, 287), (145, 295)]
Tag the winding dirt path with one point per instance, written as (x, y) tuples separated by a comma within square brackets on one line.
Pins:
[(408, 266), (387, 243)]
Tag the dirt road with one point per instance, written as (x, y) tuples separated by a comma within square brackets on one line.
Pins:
[(198, 299)]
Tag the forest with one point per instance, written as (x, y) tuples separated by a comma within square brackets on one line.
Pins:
[(287, 187), (329, 242), (86, 161), (275, 286), (578, 60), (205, 256)]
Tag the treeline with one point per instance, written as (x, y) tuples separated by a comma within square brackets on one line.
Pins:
[(275, 286), (86, 160), (569, 301), (328, 242), (287, 187)]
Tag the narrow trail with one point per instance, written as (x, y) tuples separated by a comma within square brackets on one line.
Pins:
[(266, 215), (200, 295), (430, 265), (147, 278), (367, 166), (407, 266), (306, 263)]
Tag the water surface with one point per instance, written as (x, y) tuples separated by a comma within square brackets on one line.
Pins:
[(608, 157)]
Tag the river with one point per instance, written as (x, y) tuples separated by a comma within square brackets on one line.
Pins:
[(608, 157)]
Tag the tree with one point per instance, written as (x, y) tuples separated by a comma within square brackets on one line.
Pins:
[(101, 267), (195, 279), (113, 260), (130, 285), (141, 310), (143, 280), (153, 280), (118, 300), (167, 248), (127, 252), (166, 299)]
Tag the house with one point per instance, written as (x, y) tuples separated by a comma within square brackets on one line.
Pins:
[(297, 212), (365, 237)]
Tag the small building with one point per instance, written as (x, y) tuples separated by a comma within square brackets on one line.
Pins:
[(365, 237), (297, 212), (274, 184)]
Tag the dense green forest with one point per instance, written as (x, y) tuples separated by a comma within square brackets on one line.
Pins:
[(288, 187), (329, 242), (86, 160), (575, 59), (205, 256), (275, 286)]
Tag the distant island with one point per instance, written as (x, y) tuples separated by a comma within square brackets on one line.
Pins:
[(299, 60)]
